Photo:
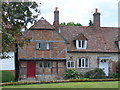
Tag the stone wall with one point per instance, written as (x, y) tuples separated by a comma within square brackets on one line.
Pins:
[(93, 61)]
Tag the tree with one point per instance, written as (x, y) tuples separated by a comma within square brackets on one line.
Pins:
[(16, 15), (71, 24), (90, 23)]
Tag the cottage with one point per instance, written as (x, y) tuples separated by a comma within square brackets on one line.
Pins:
[(91, 47), (55, 48), (45, 56)]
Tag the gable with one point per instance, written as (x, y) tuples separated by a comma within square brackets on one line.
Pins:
[(80, 37)]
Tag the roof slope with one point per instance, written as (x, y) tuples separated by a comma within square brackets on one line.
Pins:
[(42, 24), (99, 40)]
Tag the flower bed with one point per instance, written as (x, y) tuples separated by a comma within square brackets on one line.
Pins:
[(57, 81)]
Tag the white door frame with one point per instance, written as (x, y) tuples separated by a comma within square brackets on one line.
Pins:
[(103, 64)]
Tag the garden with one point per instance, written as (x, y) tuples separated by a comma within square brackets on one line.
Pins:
[(72, 79)]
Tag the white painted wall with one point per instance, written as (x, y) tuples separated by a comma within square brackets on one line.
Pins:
[(8, 63)]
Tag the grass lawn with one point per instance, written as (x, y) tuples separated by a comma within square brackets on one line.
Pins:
[(111, 84)]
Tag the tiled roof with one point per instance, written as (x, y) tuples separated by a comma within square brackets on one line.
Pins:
[(99, 40), (80, 37), (42, 24)]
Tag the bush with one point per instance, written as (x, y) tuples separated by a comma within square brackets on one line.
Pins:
[(6, 76), (72, 74), (95, 74), (114, 75)]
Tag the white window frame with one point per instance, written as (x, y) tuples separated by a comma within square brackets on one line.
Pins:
[(119, 44), (70, 64), (83, 59), (47, 45), (82, 47)]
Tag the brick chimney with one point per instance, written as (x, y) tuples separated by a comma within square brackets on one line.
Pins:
[(96, 20), (56, 19)]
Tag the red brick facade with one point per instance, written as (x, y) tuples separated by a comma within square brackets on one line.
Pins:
[(56, 55)]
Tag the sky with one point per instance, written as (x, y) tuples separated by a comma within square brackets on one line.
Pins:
[(80, 11)]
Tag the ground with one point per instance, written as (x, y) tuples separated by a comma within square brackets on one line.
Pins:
[(111, 84)]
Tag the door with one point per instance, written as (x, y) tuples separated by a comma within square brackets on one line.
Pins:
[(104, 66), (31, 69)]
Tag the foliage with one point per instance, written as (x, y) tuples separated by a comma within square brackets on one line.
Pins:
[(90, 23), (72, 74), (114, 75), (6, 76), (15, 16), (97, 73), (71, 24)]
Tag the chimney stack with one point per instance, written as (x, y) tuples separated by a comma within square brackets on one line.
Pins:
[(96, 20), (56, 19)]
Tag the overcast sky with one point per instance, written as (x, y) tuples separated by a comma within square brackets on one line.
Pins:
[(81, 11)]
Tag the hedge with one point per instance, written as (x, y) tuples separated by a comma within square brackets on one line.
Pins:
[(6, 76)]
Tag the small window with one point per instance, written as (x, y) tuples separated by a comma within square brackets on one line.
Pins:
[(81, 44), (83, 63), (70, 64), (43, 45), (45, 64)]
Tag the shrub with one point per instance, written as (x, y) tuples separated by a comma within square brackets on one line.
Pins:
[(72, 74), (114, 75), (97, 73), (6, 76)]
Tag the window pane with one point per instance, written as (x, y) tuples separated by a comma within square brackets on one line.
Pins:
[(45, 64), (68, 64), (86, 62), (49, 64), (83, 43), (39, 45), (72, 64), (83, 61), (79, 43), (80, 62), (40, 64)]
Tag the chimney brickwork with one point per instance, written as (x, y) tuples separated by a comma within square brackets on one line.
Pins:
[(56, 19), (96, 19)]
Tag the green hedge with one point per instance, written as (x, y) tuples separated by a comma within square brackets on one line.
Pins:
[(6, 76), (72, 74), (97, 73), (114, 75)]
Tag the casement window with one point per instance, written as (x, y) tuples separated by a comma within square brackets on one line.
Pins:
[(43, 45), (83, 63), (70, 64), (81, 44), (47, 64)]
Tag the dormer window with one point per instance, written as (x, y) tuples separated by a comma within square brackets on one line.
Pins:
[(81, 44), (43, 45), (80, 41)]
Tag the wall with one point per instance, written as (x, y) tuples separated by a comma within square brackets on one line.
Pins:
[(58, 46), (8, 63), (93, 63)]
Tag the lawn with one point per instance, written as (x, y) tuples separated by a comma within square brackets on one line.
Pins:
[(111, 84)]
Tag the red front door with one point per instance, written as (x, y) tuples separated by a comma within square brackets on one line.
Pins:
[(31, 69)]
